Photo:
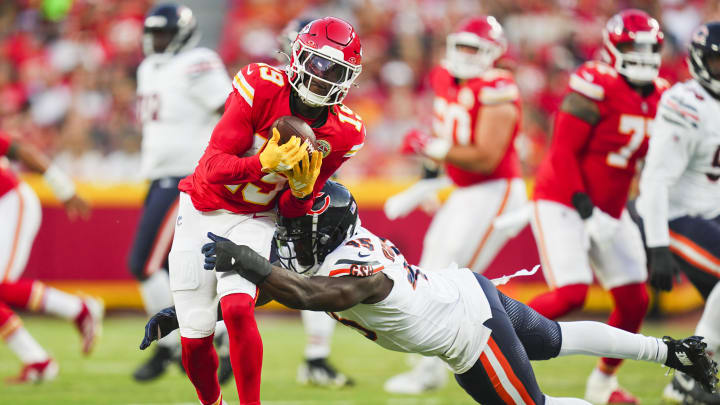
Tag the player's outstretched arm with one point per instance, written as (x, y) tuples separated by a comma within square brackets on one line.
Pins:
[(61, 185), (495, 126), (291, 289)]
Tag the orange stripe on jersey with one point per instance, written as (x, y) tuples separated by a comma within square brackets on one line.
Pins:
[(491, 227), (514, 380), (348, 271), (16, 236), (680, 110), (694, 254), (547, 270)]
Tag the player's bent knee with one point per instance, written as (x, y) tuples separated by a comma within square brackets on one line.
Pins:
[(573, 296), (236, 308), (197, 323), (633, 299)]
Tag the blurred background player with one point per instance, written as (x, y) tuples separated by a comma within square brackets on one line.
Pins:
[(679, 194), (582, 186), (476, 120), (21, 216), (319, 326), (243, 177), (181, 91)]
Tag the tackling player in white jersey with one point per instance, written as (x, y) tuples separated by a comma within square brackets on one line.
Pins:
[(680, 190), (485, 337), (181, 95)]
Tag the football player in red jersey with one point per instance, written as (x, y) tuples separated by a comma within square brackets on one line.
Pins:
[(578, 216), (476, 119), (21, 214), (241, 180)]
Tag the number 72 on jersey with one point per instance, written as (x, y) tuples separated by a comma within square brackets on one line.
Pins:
[(637, 128)]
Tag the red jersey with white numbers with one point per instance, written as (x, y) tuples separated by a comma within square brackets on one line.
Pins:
[(229, 175), (8, 181), (602, 162), (456, 108)]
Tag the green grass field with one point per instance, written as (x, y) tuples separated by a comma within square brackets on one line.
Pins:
[(104, 378)]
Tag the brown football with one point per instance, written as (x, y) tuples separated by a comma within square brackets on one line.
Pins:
[(289, 126)]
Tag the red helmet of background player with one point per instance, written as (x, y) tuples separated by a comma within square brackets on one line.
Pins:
[(632, 41), (325, 61), (474, 47)]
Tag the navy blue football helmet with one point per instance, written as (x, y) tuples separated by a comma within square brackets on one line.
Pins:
[(169, 28), (704, 57), (304, 242)]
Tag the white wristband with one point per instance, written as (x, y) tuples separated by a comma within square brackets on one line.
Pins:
[(438, 148), (61, 185)]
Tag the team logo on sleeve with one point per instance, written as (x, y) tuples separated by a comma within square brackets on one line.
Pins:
[(324, 147)]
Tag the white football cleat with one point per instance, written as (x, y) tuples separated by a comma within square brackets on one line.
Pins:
[(430, 373), (36, 372), (602, 389)]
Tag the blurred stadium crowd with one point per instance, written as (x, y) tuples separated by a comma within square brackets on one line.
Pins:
[(67, 68)]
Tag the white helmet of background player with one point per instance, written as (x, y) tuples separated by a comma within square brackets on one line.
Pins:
[(632, 41), (325, 60), (169, 29), (474, 47)]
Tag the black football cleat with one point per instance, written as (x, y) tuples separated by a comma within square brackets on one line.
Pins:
[(684, 390), (321, 373), (689, 356), (155, 366)]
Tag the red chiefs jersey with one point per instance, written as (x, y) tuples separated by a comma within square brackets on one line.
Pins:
[(8, 181), (229, 175), (456, 108), (603, 162)]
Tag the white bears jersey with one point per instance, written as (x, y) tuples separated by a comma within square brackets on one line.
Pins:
[(682, 169), (178, 96), (439, 313)]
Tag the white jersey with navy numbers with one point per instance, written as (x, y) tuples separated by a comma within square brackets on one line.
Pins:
[(178, 99), (682, 168), (438, 313)]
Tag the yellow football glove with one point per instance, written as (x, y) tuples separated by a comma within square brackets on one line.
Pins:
[(303, 176), (280, 158)]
